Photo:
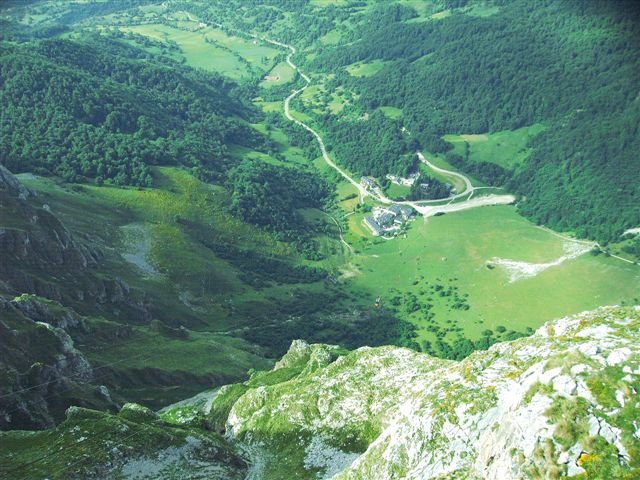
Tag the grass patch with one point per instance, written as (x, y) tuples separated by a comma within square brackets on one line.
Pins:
[(281, 74), (391, 112), (507, 148), (452, 251), (397, 192), (331, 38), (327, 3), (195, 50), (256, 53), (479, 10), (366, 69)]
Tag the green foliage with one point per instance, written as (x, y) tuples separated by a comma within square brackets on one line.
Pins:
[(604, 462), (570, 417), (633, 248), (374, 147), (97, 108), (327, 324), (554, 62), (91, 443), (433, 190), (268, 196)]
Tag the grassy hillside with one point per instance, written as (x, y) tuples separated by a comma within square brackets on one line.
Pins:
[(205, 232)]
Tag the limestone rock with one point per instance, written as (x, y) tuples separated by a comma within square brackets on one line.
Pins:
[(557, 403)]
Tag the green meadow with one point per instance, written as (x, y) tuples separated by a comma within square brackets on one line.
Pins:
[(507, 148), (366, 69), (331, 38), (197, 52), (319, 100), (257, 53), (451, 254), (327, 3), (392, 112), (281, 74)]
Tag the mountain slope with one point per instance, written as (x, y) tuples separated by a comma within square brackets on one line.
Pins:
[(97, 108), (563, 401), (75, 316)]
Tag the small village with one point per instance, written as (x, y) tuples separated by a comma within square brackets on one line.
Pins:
[(389, 221), (402, 181)]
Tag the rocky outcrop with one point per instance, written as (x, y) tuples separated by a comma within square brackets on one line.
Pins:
[(47, 311), (562, 402), (40, 256), (10, 184), (34, 237), (133, 444), (42, 371)]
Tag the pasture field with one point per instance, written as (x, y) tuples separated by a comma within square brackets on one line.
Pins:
[(316, 98), (366, 69), (291, 154), (327, 3), (257, 53), (331, 38), (451, 254), (276, 106), (281, 74), (421, 7), (479, 10), (392, 112), (507, 148), (396, 192), (196, 51)]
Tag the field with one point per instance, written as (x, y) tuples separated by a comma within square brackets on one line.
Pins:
[(319, 100), (421, 7), (326, 3), (281, 74), (211, 48), (331, 38), (365, 69), (257, 54), (453, 251), (507, 148), (196, 51), (392, 112), (397, 192)]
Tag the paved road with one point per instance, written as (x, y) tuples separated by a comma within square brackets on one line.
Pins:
[(423, 207)]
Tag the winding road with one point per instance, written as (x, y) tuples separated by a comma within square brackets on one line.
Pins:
[(425, 207)]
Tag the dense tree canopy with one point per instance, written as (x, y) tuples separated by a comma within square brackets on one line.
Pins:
[(268, 195), (98, 108)]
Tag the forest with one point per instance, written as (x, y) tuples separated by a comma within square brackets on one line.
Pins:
[(270, 196), (98, 109)]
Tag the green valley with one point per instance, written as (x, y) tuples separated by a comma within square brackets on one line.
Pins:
[(187, 187)]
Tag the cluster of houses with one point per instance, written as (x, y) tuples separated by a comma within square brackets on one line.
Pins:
[(387, 221), (368, 182), (402, 181)]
